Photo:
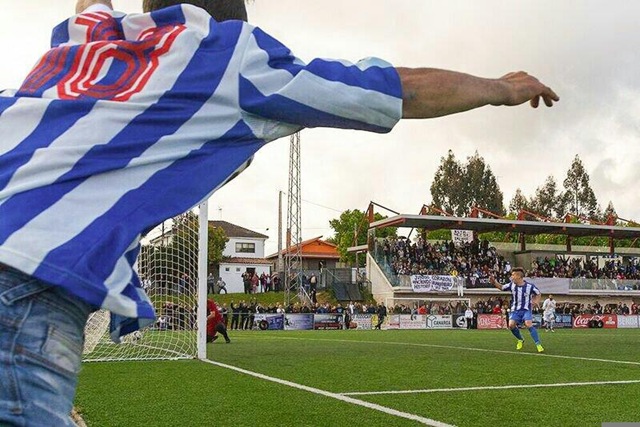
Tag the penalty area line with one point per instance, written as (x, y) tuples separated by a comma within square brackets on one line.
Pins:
[(502, 387), (337, 396)]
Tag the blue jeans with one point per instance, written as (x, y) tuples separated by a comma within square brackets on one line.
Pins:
[(41, 340)]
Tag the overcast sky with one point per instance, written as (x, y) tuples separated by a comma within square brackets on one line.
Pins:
[(587, 51)]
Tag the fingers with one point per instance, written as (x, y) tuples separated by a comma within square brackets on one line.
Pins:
[(548, 97), (535, 101), (530, 89)]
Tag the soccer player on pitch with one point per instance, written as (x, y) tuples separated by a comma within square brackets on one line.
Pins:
[(523, 295), (549, 313)]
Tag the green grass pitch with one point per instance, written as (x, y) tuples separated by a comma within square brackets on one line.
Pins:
[(452, 377)]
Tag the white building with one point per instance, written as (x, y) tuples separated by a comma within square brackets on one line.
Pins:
[(244, 252)]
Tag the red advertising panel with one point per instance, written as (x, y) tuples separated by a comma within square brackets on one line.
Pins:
[(491, 321), (609, 321)]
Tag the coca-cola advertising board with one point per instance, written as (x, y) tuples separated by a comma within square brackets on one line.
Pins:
[(491, 321), (610, 321)]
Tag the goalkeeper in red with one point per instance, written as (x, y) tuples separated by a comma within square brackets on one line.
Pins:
[(523, 295), (215, 323)]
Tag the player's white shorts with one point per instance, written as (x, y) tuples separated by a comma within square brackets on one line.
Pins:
[(549, 316)]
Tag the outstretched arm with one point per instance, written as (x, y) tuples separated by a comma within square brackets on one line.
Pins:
[(494, 282), (430, 92)]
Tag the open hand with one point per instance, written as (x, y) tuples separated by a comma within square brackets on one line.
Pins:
[(521, 87)]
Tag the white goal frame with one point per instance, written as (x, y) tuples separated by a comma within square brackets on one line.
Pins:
[(148, 344)]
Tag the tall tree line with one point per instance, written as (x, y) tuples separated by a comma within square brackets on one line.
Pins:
[(458, 187)]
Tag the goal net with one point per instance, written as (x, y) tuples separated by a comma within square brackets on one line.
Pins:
[(169, 267)]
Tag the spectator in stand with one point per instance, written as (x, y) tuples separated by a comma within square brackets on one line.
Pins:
[(253, 309), (523, 295), (255, 279), (267, 283), (597, 308), (422, 309), (235, 314), (211, 281), (224, 310), (634, 308), (263, 282), (246, 282), (244, 315), (221, 285)]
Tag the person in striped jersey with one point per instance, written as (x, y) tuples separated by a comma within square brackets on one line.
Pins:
[(523, 295), (132, 119)]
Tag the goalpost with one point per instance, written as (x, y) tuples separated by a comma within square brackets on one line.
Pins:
[(172, 266)]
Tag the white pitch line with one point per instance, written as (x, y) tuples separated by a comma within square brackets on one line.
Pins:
[(486, 350), (390, 411), (502, 387)]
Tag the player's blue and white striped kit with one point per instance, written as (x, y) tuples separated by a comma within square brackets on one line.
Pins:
[(521, 295), (132, 119)]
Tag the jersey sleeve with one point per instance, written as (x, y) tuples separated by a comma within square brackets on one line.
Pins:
[(535, 290), (277, 86), (506, 287)]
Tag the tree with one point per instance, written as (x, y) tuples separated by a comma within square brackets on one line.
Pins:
[(483, 190), (351, 230), (518, 203), (457, 188), (447, 188), (217, 241), (579, 198), (182, 250), (547, 200)]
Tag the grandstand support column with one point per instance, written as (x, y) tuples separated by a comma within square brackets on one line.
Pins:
[(523, 242), (203, 263), (568, 243)]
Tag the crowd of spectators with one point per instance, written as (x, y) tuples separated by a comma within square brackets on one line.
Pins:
[(241, 315), (587, 268), (477, 260), (429, 307), (474, 260), (500, 305)]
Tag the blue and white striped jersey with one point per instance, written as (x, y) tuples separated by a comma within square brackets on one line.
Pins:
[(132, 119), (521, 295)]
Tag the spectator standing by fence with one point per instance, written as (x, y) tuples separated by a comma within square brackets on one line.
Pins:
[(382, 314), (468, 317)]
